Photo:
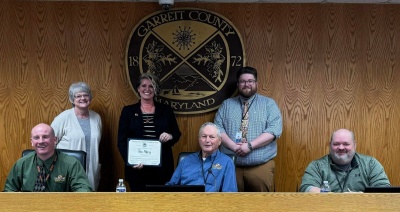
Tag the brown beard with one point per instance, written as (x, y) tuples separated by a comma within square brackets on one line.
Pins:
[(248, 94)]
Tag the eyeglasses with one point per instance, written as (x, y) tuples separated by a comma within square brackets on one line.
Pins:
[(249, 82), (80, 96)]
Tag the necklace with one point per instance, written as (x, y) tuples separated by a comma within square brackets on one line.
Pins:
[(147, 112), (147, 118), (147, 115)]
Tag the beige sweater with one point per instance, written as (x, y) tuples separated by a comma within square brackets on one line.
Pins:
[(70, 136)]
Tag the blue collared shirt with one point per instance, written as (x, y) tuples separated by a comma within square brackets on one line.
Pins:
[(264, 117), (216, 172)]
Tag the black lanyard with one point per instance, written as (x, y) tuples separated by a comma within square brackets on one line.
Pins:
[(344, 181), (209, 170), (248, 109)]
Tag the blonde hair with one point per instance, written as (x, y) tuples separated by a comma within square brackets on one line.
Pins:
[(153, 79)]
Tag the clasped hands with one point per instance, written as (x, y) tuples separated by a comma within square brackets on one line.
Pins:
[(241, 149)]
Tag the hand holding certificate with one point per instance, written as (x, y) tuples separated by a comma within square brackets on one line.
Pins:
[(147, 152)]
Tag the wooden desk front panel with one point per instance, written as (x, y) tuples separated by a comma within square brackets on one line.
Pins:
[(198, 202)]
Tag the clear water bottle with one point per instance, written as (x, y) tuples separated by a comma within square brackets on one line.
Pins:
[(121, 186), (325, 187)]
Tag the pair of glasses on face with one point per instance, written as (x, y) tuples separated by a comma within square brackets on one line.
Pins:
[(82, 96), (248, 82)]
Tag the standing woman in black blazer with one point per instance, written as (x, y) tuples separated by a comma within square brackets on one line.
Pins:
[(148, 119)]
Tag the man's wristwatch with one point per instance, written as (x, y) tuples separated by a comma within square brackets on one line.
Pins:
[(249, 145)]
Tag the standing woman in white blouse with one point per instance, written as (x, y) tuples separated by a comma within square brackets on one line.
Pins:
[(79, 128)]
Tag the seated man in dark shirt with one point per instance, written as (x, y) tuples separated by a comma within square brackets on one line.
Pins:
[(46, 169)]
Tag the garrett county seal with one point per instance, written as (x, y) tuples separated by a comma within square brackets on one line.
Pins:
[(194, 52)]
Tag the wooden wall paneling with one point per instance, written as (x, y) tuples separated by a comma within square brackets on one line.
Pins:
[(295, 84), (327, 66), (14, 94), (381, 91)]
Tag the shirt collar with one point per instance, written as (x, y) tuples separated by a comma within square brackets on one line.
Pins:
[(212, 156), (47, 162), (353, 163), (242, 99)]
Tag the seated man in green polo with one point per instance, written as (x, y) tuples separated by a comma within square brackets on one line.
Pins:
[(343, 168), (46, 169)]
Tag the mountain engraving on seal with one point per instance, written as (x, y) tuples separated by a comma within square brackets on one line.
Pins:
[(195, 53)]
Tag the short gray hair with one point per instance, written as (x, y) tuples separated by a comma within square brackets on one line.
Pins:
[(78, 87), (210, 124)]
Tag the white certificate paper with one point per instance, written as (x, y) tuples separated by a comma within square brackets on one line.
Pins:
[(144, 151)]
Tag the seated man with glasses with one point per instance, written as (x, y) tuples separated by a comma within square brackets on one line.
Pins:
[(208, 167)]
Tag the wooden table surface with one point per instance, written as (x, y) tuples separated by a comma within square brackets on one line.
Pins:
[(107, 201)]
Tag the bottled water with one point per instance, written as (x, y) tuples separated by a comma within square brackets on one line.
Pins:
[(121, 186), (325, 187)]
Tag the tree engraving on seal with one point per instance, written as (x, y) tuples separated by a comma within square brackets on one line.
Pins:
[(194, 52)]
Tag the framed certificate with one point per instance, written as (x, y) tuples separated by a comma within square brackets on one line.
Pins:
[(144, 151)]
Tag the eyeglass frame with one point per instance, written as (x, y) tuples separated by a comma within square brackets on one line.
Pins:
[(249, 82), (80, 96)]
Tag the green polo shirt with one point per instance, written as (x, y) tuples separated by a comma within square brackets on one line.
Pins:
[(67, 175), (364, 171)]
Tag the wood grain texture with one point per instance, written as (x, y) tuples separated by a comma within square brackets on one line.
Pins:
[(327, 66), (106, 201)]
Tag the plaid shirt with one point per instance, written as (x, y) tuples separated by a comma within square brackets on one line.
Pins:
[(264, 117)]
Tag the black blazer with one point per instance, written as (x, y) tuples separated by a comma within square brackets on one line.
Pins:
[(131, 126)]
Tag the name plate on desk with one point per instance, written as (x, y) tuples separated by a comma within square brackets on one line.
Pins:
[(147, 152)]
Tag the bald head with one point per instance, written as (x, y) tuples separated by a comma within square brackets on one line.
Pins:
[(43, 140), (342, 146), (343, 132), (43, 126)]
